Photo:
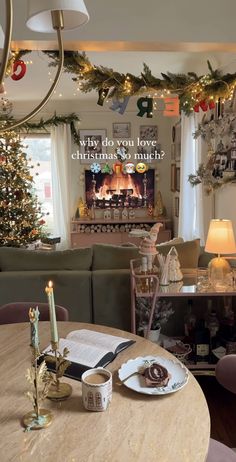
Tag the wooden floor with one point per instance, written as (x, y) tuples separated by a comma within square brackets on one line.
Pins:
[(222, 408)]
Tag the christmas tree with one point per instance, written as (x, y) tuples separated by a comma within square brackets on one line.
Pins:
[(21, 220)]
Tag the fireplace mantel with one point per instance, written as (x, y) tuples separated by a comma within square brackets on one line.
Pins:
[(86, 232)]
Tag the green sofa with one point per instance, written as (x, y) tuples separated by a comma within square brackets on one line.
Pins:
[(93, 283)]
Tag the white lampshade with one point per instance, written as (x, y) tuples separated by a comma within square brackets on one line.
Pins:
[(220, 238), (39, 14)]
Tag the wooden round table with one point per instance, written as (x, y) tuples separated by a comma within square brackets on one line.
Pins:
[(135, 428)]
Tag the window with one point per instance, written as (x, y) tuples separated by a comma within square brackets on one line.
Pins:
[(38, 149)]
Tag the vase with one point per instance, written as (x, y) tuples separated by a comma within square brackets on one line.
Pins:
[(153, 334)]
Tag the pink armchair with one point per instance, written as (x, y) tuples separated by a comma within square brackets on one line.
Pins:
[(19, 312), (226, 376)]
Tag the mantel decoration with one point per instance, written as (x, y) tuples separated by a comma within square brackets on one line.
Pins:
[(194, 92)]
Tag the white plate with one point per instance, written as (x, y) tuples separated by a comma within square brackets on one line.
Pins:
[(179, 375)]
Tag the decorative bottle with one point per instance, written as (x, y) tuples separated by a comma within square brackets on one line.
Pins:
[(202, 343)]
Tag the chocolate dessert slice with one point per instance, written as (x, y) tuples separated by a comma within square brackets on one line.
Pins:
[(156, 376)]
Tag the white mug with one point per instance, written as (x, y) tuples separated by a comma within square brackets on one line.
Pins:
[(96, 389)]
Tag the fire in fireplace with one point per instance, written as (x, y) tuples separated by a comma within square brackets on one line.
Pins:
[(104, 190)]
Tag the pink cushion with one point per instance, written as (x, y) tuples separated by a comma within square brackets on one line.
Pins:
[(226, 372), (218, 452)]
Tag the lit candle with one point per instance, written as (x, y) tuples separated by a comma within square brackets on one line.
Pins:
[(52, 311), (34, 320)]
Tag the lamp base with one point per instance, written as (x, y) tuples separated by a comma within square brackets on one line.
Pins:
[(219, 269)]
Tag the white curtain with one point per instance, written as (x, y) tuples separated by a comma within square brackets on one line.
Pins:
[(61, 151), (191, 209)]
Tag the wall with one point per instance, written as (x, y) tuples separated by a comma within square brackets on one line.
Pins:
[(93, 116), (225, 205)]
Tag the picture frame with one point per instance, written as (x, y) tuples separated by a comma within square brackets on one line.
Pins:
[(147, 152), (177, 152), (172, 151), (121, 130), (177, 179), (173, 177), (148, 132), (92, 152), (177, 207)]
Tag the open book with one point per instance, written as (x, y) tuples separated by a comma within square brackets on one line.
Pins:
[(88, 349)]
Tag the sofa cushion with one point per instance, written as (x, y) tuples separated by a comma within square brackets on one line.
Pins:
[(12, 259), (109, 257), (188, 252), (72, 289)]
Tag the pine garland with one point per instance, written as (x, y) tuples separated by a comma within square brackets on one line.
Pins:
[(191, 88), (43, 125), (54, 121)]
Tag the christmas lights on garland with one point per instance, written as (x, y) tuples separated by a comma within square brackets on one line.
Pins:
[(195, 92), (42, 125)]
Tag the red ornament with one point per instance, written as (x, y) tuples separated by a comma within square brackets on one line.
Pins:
[(203, 106), (196, 108), (212, 104), (18, 75)]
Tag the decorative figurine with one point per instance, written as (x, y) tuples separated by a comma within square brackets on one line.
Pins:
[(131, 214), (124, 214), (116, 214), (39, 379), (175, 273)]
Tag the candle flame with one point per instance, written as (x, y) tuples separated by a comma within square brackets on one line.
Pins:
[(50, 284)]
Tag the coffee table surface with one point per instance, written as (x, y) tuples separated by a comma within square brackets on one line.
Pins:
[(135, 428)]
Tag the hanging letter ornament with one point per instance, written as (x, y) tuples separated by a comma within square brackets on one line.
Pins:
[(145, 106), (19, 70)]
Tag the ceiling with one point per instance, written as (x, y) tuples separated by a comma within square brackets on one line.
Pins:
[(179, 40)]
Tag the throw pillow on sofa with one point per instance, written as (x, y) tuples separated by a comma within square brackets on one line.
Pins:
[(188, 252), (107, 256), (13, 259)]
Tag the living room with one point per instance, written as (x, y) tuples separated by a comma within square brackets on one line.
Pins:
[(140, 130)]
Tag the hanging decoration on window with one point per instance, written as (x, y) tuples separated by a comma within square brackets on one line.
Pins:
[(220, 166)]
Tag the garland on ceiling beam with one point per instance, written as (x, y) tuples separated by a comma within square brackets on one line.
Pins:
[(42, 125), (55, 120), (193, 90)]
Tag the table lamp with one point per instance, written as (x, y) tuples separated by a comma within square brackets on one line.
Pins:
[(220, 240)]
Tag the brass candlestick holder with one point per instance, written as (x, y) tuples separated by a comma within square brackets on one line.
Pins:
[(40, 381), (59, 391)]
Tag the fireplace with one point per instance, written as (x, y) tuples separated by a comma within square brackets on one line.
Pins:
[(119, 190)]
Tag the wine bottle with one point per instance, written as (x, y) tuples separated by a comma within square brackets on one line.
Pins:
[(202, 343)]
